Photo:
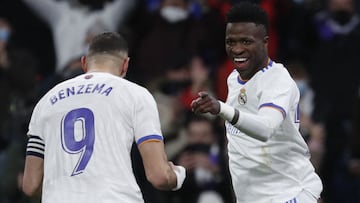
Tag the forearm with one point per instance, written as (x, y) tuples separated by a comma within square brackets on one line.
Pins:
[(171, 180), (159, 172), (33, 175), (258, 126)]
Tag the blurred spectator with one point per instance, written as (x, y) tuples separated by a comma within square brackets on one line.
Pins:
[(354, 162), (312, 132), (17, 86), (204, 159), (199, 72), (164, 34), (335, 79), (74, 22)]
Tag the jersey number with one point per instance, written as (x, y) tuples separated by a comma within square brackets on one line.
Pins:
[(78, 136)]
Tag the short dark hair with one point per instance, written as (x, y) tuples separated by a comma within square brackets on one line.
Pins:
[(108, 43), (248, 12)]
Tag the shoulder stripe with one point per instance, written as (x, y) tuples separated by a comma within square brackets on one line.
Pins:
[(282, 110), (268, 66), (150, 138)]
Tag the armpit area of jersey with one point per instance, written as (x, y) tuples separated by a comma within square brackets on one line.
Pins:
[(35, 146)]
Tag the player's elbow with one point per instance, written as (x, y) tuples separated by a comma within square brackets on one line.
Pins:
[(262, 135)]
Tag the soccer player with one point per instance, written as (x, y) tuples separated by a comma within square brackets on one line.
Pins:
[(82, 130), (268, 158)]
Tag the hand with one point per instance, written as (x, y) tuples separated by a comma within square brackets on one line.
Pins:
[(180, 175), (205, 103)]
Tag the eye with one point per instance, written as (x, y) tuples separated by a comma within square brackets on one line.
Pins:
[(230, 42), (246, 41)]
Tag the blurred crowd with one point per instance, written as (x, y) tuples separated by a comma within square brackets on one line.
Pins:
[(177, 50)]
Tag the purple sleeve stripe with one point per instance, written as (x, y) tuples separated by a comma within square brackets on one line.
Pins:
[(282, 110), (149, 137)]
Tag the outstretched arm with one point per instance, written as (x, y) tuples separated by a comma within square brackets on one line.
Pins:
[(259, 126)]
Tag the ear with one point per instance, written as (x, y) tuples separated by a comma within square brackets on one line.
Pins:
[(266, 39), (124, 67), (83, 64)]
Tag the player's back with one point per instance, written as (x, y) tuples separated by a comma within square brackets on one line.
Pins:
[(88, 127)]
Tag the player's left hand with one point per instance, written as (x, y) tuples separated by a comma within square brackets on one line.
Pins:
[(205, 103)]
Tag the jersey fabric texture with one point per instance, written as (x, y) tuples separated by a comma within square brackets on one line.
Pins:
[(84, 128), (278, 169)]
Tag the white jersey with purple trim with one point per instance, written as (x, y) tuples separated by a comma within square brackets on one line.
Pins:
[(276, 170), (84, 129)]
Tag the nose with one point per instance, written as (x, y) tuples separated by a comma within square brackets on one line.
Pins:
[(237, 49)]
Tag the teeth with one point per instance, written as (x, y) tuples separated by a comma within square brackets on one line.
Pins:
[(240, 59)]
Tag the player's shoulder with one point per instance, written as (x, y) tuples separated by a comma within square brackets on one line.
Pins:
[(275, 70), (233, 76), (276, 75), (132, 89)]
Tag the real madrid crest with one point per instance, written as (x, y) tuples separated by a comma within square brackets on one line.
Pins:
[(242, 98)]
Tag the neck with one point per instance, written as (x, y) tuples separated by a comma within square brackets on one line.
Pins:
[(104, 69), (246, 75)]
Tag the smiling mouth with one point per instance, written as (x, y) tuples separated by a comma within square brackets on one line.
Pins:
[(240, 62)]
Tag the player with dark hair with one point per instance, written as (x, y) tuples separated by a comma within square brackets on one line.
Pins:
[(82, 130), (268, 158)]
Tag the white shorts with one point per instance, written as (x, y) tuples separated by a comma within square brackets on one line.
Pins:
[(303, 197)]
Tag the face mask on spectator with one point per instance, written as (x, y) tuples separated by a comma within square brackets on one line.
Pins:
[(173, 14), (4, 34)]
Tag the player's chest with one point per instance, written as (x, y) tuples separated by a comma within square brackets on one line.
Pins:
[(244, 97)]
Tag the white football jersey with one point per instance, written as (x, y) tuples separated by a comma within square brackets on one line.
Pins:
[(84, 128), (277, 170)]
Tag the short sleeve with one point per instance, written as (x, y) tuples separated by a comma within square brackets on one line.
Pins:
[(146, 123), (35, 122), (278, 92)]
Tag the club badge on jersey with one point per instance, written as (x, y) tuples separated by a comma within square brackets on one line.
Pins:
[(242, 98)]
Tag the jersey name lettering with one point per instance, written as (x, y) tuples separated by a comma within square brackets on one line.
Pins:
[(90, 88)]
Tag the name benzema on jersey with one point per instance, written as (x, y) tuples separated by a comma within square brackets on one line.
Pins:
[(81, 89)]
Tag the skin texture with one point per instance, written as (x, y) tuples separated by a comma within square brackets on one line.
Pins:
[(242, 40)]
